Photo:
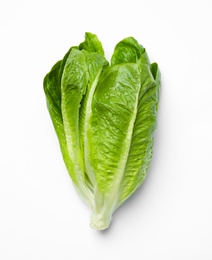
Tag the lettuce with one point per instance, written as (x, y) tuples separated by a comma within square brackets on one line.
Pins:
[(104, 116)]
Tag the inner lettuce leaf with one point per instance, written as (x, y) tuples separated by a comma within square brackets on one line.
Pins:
[(105, 116)]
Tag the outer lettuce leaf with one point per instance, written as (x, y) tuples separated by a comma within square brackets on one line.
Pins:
[(73, 87), (114, 112), (92, 44), (53, 98), (95, 65), (141, 149), (129, 50)]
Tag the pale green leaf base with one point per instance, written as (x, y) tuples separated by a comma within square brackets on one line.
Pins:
[(100, 221)]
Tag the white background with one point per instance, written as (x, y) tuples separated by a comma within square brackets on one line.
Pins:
[(41, 216)]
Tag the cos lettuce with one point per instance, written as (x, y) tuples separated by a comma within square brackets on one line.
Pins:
[(105, 117)]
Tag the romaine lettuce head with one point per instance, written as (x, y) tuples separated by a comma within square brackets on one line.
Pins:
[(105, 118)]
